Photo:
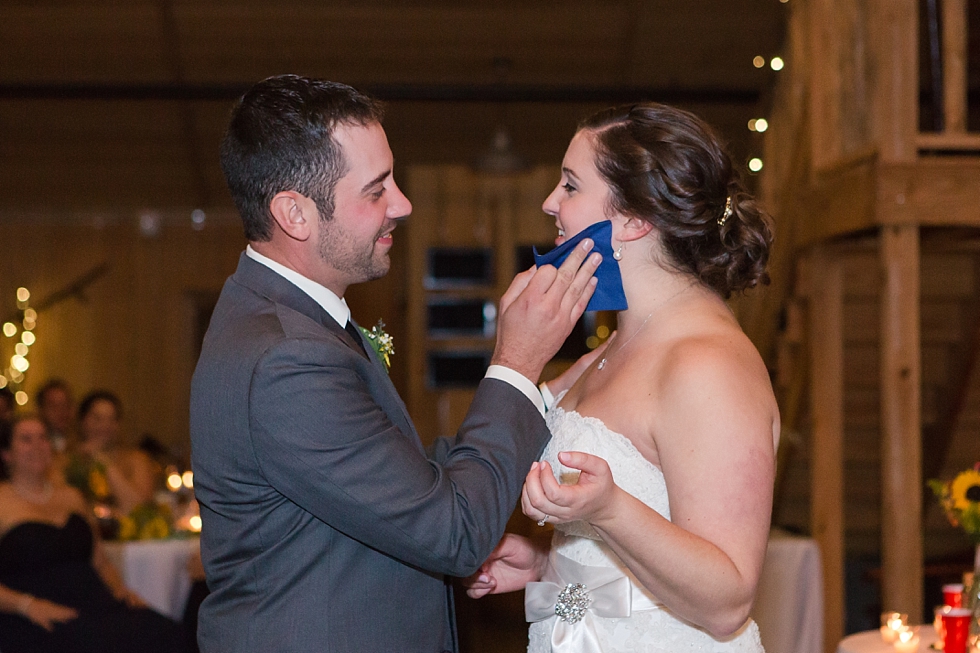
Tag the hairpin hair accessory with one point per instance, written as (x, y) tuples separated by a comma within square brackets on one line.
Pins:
[(728, 212)]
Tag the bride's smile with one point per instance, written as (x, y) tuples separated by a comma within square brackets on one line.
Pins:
[(581, 197)]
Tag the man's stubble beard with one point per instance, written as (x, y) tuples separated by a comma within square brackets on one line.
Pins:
[(339, 249)]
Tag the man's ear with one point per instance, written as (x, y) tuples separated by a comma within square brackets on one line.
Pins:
[(294, 213), (634, 229)]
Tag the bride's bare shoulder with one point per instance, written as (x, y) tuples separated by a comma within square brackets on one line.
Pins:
[(717, 363)]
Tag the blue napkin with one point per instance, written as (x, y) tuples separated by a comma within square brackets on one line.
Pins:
[(609, 295)]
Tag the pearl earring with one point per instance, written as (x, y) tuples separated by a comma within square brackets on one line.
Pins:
[(618, 254)]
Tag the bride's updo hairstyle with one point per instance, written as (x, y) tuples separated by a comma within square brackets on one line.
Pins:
[(666, 166)]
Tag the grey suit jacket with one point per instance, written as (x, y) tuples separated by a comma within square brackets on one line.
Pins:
[(327, 527)]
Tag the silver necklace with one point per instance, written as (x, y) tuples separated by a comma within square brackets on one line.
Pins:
[(602, 363), (38, 498)]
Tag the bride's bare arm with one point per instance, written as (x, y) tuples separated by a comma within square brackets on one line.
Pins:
[(713, 422)]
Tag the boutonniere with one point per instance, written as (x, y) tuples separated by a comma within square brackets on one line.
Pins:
[(382, 343)]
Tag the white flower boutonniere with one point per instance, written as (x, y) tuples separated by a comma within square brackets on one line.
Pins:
[(382, 343)]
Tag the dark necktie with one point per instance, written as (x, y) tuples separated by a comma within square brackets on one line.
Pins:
[(352, 330)]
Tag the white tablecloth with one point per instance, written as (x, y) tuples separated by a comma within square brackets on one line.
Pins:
[(156, 570), (870, 642), (789, 601)]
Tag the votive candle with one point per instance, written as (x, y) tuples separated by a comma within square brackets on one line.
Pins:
[(891, 624), (907, 641)]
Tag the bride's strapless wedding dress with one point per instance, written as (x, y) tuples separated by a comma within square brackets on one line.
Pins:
[(643, 623)]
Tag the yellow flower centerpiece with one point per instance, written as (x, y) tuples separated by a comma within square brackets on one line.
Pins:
[(149, 521), (960, 500)]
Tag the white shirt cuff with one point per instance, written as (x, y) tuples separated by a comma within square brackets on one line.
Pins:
[(546, 396), (519, 381)]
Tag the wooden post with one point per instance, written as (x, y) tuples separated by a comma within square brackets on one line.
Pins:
[(825, 283), (954, 65), (894, 29), (901, 425)]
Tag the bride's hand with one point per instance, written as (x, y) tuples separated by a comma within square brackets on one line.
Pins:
[(590, 499)]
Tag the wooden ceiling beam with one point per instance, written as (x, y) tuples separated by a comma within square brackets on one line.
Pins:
[(394, 92)]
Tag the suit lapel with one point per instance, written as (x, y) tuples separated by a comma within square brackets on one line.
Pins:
[(276, 288), (394, 406), (280, 290)]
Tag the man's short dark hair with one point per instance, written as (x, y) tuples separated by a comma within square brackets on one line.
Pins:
[(280, 138), (92, 398), (51, 384)]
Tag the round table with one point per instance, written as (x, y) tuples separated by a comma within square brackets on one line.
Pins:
[(156, 570), (870, 642)]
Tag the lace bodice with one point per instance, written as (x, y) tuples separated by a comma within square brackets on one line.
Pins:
[(631, 471), (649, 631)]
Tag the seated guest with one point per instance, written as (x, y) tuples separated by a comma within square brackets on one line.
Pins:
[(58, 592), (103, 469), (54, 405)]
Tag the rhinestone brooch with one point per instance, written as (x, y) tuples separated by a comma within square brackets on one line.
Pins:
[(572, 602)]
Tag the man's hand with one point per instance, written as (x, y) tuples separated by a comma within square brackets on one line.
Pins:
[(515, 562), (540, 308)]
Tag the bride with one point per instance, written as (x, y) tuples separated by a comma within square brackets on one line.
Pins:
[(659, 476)]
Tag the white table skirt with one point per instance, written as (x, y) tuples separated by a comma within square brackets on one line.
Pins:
[(789, 600), (156, 570), (870, 642)]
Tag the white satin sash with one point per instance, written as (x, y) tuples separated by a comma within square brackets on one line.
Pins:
[(610, 594)]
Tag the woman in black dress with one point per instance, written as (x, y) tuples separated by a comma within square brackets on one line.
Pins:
[(58, 592)]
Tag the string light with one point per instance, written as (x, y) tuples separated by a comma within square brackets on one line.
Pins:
[(776, 63), (13, 376), (759, 61), (755, 164)]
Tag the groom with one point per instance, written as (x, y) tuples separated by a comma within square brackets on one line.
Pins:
[(327, 527)]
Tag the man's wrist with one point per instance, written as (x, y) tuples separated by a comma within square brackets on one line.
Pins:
[(518, 381)]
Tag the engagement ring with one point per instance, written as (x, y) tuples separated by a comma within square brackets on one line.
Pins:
[(541, 522)]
